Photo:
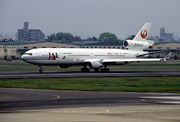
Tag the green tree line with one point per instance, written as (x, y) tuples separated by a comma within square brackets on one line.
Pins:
[(63, 37), (68, 37)]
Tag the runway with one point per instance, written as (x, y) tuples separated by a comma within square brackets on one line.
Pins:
[(76, 74), (19, 105), (23, 99)]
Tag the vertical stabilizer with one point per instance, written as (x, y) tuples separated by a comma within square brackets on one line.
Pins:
[(143, 33), (140, 42)]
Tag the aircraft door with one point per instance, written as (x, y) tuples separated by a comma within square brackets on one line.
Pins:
[(62, 57)]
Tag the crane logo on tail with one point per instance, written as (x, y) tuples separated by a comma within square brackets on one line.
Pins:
[(144, 33)]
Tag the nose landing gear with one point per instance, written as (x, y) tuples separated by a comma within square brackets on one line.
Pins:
[(40, 69)]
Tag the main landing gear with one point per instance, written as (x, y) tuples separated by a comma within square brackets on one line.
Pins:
[(105, 70), (102, 70), (85, 69), (40, 69)]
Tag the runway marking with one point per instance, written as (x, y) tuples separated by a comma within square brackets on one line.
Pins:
[(57, 96), (171, 102), (177, 98), (67, 117), (164, 97), (30, 92), (107, 111)]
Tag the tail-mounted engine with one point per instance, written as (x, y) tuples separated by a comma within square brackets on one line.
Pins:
[(132, 44)]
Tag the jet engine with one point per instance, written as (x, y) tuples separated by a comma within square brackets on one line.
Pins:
[(138, 44), (95, 65)]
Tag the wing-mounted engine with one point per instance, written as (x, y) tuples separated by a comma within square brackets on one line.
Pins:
[(142, 45), (94, 63)]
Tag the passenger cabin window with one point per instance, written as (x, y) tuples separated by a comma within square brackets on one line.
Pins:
[(28, 53)]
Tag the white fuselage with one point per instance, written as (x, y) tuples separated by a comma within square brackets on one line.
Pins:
[(75, 56)]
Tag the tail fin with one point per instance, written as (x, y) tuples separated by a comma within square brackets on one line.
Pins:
[(140, 42), (143, 33)]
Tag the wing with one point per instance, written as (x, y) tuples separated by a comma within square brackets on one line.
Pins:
[(92, 60), (136, 59), (149, 53), (101, 61), (132, 60)]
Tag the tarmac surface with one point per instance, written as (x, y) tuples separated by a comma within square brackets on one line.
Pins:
[(151, 113), (17, 98), (75, 74), (35, 105)]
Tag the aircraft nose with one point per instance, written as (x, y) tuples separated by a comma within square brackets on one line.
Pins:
[(24, 57)]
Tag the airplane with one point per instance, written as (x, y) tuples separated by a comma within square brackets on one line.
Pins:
[(96, 59)]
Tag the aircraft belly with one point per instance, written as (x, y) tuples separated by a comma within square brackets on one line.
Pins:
[(54, 62), (42, 62)]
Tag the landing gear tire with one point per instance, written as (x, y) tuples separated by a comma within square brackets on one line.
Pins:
[(85, 70), (104, 69), (96, 70), (40, 69)]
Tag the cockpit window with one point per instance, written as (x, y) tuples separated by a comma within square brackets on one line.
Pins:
[(28, 53)]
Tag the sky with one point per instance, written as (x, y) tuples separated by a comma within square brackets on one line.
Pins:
[(88, 18)]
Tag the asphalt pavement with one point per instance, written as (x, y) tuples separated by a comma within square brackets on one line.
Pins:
[(18, 98), (76, 74)]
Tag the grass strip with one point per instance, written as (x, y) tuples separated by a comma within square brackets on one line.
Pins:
[(125, 84)]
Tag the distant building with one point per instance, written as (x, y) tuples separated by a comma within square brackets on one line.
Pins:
[(154, 38), (5, 37), (16, 49), (7, 51), (166, 37), (27, 34)]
